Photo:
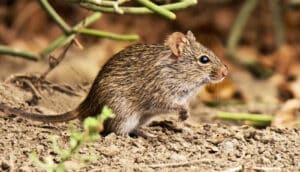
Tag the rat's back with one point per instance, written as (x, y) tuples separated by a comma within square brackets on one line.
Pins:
[(123, 78)]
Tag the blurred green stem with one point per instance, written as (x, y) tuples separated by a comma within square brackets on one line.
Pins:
[(102, 2), (107, 3), (140, 10), (9, 51), (109, 35), (159, 10), (51, 12), (238, 27), (253, 119), (244, 116), (277, 22)]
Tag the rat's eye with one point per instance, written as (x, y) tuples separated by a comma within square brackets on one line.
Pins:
[(204, 59)]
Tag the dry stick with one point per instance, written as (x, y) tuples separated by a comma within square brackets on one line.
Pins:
[(35, 79), (35, 92), (175, 164), (277, 22), (53, 62)]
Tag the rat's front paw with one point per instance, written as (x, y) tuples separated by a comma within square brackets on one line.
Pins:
[(183, 115)]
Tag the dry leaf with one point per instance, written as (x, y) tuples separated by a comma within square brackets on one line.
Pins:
[(287, 114), (225, 90)]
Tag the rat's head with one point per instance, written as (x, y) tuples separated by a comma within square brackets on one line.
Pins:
[(198, 63)]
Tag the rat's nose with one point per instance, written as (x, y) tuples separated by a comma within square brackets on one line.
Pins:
[(224, 71)]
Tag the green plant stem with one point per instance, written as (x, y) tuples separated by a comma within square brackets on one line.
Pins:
[(60, 22), (102, 3), (159, 10), (244, 116), (238, 27), (108, 35), (277, 22), (140, 10), (253, 119), (114, 4), (63, 40), (9, 51)]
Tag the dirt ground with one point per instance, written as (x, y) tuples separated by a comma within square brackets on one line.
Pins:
[(202, 143)]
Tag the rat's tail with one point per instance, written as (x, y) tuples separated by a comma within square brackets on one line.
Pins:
[(40, 117)]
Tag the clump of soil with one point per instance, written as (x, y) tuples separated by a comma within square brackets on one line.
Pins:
[(192, 146)]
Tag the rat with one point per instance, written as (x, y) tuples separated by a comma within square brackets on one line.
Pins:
[(143, 81)]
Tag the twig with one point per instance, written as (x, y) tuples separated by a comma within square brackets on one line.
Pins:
[(178, 164), (140, 10), (36, 93), (63, 40), (60, 22), (277, 22), (238, 27), (53, 62), (38, 83), (159, 10), (9, 51), (108, 35)]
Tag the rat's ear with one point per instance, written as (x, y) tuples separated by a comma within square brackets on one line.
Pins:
[(190, 36), (177, 42)]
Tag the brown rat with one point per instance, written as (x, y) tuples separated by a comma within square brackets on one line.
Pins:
[(143, 81)]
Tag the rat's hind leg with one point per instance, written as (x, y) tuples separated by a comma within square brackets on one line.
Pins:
[(124, 124), (144, 120)]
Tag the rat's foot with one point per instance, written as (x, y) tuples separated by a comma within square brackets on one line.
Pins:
[(142, 133), (183, 114)]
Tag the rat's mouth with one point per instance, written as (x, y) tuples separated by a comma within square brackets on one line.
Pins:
[(215, 80)]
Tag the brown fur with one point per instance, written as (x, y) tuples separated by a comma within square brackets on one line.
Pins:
[(143, 81)]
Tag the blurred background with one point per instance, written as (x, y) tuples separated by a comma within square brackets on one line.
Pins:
[(258, 40)]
